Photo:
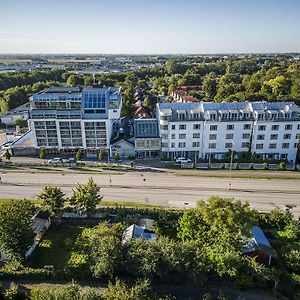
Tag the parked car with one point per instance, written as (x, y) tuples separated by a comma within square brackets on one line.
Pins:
[(182, 160), (55, 161)]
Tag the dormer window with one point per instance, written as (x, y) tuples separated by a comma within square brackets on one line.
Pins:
[(213, 117)]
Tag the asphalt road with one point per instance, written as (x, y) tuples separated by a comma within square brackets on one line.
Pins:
[(165, 189)]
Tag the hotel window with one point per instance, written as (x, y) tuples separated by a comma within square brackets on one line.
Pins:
[(212, 145), (196, 144), (288, 127), (164, 136), (246, 135), (285, 145), (247, 126), (213, 127), (181, 116), (182, 136), (228, 145), (259, 146), (272, 146), (287, 136), (182, 127), (229, 136), (181, 145), (296, 145), (297, 136), (275, 127), (173, 136), (196, 135), (212, 136), (245, 145), (230, 127), (298, 126), (172, 145), (164, 127), (273, 136), (173, 127), (196, 126), (260, 137), (262, 127)]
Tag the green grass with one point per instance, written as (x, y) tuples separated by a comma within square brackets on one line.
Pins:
[(56, 246), (8, 201), (130, 204)]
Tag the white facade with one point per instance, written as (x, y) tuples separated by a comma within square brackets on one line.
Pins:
[(201, 130), (70, 118)]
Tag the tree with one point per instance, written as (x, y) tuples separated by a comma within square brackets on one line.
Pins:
[(120, 291), (53, 199), (21, 123), (78, 155), (105, 250), (42, 153), (75, 80), (7, 155), (210, 85), (117, 156), (86, 197), (15, 228), (100, 154)]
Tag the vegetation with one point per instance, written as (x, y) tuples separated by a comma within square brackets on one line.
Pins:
[(7, 155), (86, 197), (15, 228), (42, 154), (78, 155), (53, 199)]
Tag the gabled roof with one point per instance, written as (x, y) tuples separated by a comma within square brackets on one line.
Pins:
[(257, 241)]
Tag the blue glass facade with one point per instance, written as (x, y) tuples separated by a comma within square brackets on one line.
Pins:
[(94, 100)]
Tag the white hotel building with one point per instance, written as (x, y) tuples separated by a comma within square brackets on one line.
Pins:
[(270, 130), (65, 119)]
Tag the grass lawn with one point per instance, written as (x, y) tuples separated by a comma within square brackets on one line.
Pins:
[(56, 246)]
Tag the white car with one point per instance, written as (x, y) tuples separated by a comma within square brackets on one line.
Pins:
[(182, 160)]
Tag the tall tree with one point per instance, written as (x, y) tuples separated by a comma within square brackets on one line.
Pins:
[(86, 197), (15, 228), (53, 199)]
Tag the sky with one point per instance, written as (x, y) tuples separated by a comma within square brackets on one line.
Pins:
[(149, 26)]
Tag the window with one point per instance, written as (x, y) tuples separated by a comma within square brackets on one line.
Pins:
[(212, 136), (196, 126), (288, 127), (196, 144), (260, 137), (273, 136), (164, 127), (181, 145), (164, 136), (182, 127), (287, 136), (230, 127), (172, 136), (297, 136), (182, 136), (298, 126), (259, 146), (228, 145), (275, 127), (212, 145), (229, 136), (296, 145), (172, 145), (262, 127), (173, 127), (285, 145), (245, 145), (272, 146), (213, 127), (247, 126), (164, 145), (181, 116), (196, 135), (246, 136)]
